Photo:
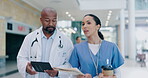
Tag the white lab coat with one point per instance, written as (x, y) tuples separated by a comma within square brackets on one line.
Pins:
[(58, 56)]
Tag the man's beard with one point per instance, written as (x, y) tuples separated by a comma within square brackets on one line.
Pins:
[(49, 29)]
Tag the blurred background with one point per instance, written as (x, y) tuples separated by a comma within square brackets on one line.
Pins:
[(124, 22)]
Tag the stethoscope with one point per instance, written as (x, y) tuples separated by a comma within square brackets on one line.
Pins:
[(60, 46)]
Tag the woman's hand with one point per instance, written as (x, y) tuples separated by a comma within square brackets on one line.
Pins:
[(84, 76), (102, 76)]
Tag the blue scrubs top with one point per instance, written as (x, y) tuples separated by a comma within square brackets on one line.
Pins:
[(81, 58)]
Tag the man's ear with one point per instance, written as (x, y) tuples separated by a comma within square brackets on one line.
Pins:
[(40, 19)]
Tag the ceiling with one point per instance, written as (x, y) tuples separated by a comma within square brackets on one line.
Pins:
[(78, 8)]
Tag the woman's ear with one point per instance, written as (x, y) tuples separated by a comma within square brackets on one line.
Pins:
[(98, 27)]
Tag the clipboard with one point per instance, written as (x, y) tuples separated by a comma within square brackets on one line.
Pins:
[(73, 71), (41, 66)]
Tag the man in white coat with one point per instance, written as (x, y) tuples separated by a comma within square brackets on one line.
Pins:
[(45, 44)]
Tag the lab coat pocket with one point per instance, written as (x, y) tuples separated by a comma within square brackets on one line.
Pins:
[(62, 57), (30, 76)]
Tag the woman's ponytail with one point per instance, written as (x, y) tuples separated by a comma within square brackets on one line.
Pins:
[(100, 35)]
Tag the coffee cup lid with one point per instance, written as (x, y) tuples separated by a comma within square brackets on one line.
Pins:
[(107, 67)]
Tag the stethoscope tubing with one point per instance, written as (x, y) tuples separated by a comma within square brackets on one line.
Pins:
[(60, 46)]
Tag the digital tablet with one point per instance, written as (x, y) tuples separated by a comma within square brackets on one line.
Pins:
[(41, 66)]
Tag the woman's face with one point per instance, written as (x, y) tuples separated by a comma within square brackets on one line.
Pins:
[(89, 26)]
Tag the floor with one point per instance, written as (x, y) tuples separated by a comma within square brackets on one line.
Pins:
[(131, 69)]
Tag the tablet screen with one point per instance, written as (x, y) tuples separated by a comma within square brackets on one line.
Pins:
[(41, 66)]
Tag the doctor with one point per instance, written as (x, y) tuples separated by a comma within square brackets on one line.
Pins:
[(45, 44)]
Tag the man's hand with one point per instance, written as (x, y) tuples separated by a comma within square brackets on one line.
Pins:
[(29, 69), (102, 76), (84, 76), (51, 73)]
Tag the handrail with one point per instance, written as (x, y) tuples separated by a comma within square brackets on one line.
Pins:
[(4, 56)]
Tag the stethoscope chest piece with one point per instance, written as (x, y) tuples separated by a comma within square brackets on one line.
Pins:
[(60, 45)]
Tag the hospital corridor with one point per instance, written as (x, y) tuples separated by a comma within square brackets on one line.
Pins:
[(95, 33), (131, 69)]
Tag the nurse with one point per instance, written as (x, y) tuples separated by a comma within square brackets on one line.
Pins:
[(91, 55)]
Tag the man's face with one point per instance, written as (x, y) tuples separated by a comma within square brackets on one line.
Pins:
[(78, 40), (49, 21)]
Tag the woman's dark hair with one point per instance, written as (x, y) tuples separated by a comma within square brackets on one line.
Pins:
[(97, 20), (100, 35)]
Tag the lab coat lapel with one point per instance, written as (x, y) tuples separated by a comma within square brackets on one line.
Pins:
[(54, 49), (39, 42)]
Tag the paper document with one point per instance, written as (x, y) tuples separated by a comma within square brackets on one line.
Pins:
[(73, 71)]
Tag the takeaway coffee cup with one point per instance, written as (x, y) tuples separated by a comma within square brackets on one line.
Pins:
[(107, 70)]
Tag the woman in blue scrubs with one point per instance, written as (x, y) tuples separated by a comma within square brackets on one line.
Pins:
[(89, 56)]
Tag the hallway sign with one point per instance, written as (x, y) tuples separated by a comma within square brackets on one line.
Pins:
[(18, 28)]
